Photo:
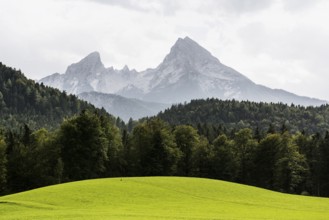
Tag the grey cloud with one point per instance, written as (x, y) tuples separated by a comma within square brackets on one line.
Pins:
[(241, 6), (255, 38), (301, 42), (168, 7), (233, 7), (123, 3), (306, 44), (296, 5), (312, 45)]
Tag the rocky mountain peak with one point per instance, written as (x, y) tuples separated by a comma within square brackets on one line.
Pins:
[(187, 50), (125, 69), (90, 64)]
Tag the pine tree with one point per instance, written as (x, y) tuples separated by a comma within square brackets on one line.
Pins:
[(3, 166)]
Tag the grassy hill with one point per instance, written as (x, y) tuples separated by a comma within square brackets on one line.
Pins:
[(159, 198)]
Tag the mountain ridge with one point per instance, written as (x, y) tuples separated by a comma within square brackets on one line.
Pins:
[(187, 72)]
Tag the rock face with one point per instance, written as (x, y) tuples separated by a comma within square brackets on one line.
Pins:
[(188, 72)]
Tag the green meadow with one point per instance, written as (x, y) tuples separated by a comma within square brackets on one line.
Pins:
[(159, 198)]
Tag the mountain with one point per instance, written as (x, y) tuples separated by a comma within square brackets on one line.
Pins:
[(124, 107), (23, 101), (188, 72), (89, 74)]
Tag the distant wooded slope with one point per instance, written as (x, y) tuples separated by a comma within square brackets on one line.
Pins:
[(242, 114), (23, 101)]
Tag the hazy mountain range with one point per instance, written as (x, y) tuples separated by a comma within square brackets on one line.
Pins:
[(124, 107), (188, 72)]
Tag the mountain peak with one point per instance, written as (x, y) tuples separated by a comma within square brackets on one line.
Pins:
[(93, 57), (189, 50), (186, 43), (186, 40), (125, 68), (91, 63)]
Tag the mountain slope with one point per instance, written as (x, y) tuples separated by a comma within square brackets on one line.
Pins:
[(159, 198), (22, 101), (123, 107), (188, 72)]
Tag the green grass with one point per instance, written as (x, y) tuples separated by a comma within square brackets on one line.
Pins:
[(159, 198)]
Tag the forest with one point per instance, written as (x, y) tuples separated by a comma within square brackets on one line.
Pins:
[(48, 137), (245, 114), (22, 101), (90, 145)]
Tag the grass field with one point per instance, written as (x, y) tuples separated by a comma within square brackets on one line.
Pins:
[(159, 198)]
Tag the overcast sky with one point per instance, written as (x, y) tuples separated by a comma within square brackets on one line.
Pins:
[(278, 43)]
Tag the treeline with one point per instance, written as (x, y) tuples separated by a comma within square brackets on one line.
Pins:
[(89, 145), (24, 101), (245, 114)]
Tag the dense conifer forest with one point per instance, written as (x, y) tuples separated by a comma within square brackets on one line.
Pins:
[(48, 137), (244, 114)]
